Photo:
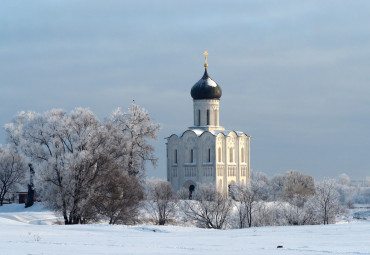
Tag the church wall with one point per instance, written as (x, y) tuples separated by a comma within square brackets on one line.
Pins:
[(221, 158), (207, 172), (233, 161), (173, 173), (190, 153), (244, 161), (198, 167)]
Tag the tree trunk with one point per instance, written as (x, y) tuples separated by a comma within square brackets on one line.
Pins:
[(64, 209), (250, 216), (162, 221), (2, 195)]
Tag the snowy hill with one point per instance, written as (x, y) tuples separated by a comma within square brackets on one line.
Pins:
[(29, 231), (32, 215)]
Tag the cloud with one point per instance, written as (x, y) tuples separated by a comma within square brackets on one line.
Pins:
[(294, 74)]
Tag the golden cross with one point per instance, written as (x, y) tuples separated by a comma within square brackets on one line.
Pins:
[(205, 54)]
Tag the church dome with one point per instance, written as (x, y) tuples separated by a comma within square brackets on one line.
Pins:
[(206, 88)]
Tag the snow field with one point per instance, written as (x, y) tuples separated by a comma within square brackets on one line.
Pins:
[(28, 231)]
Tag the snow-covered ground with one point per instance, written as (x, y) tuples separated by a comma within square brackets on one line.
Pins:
[(30, 231)]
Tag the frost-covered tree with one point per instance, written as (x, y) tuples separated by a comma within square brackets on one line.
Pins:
[(297, 188), (347, 192), (264, 186), (367, 181), (246, 197), (326, 201), (277, 185), (133, 130), (209, 208), (69, 150), (161, 201), (296, 214), (73, 151), (362, 191), (12, 171), (344, 179)]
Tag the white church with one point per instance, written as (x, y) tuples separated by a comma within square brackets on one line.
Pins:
[(207, 152)]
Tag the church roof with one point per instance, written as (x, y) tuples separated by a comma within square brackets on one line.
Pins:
[(199, 132), (206, 88), (227, 132)]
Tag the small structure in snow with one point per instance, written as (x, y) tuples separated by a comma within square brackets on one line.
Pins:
[(31, 190)]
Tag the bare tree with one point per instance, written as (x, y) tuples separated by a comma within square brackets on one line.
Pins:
[(183, 194), (296, 214), (118, 197), (326, 201), (295, 188), (277, 185), (12, 171), (209, 208), (161, 201), (246, 197)]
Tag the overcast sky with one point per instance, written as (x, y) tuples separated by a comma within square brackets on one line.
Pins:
[(295, 75)]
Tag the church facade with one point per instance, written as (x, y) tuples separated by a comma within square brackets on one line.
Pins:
[(206, 152)]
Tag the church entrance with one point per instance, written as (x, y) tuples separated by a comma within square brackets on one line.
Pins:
[(191, 189)]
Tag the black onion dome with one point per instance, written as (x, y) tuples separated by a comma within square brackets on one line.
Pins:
[(206, 88)]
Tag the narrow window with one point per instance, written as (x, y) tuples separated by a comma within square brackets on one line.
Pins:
[(198, 117), (219, 155), (209, 155), (216, 121), (191, 156), (207, 117), (231, 155), (242, 152), (175, 156)]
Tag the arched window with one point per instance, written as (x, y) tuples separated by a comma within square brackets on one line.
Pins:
[(243, 156), (198, 117), (219, 154), (231, 155), (191, 156), (175, 157), (207, 117), (209, 155)]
